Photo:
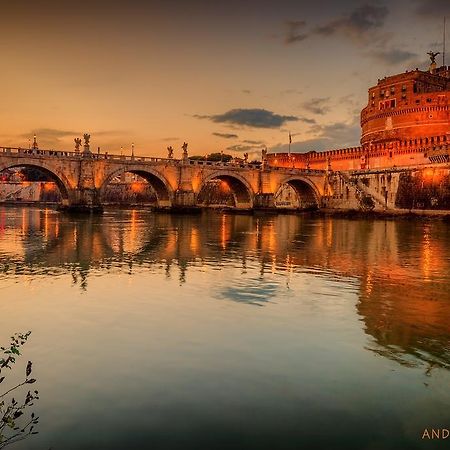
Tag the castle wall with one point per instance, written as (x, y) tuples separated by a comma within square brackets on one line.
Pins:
[(405, 121)]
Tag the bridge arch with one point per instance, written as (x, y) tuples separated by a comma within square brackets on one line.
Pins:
[(58, 178), (309, 196), (163, 190), (240, 187)]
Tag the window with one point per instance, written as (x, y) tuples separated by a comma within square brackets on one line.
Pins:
[(404, 88), (393, 103)]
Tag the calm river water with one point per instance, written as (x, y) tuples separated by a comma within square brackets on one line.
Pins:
[(215, 331)]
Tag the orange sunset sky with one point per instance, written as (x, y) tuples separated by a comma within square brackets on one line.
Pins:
[(232, 76)]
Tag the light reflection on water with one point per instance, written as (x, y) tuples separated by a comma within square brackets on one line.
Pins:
[(223, 331)]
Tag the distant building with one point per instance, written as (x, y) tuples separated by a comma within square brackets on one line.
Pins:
[(406, 122)]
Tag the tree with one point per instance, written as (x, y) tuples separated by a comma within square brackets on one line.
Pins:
[(10, 409), (213, 157)]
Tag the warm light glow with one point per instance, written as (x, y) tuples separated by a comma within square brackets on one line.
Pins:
[(137, 186), (49, 186), (428, 174)]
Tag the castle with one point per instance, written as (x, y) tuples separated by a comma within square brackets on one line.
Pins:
[(405, 123)]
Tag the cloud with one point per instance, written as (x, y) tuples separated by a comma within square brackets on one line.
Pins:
[(254, 147), (362, 26), (240, 148), (254, 118), (393, 56), (48, 133), (330, 136), (293, 33), (317, 105), (359, 24), (50, 137), (226, 135), (168, 139), (246, 91), (248, 141), (110, 133)]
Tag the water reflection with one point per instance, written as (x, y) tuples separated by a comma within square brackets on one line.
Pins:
[(400, 268)]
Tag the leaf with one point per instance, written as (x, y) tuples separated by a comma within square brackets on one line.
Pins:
[(28, 371), (31, 381), (1, 379)]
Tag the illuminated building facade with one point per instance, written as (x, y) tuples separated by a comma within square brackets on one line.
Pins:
[(405, 123)]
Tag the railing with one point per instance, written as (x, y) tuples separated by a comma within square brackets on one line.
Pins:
[(38, 153), (34, 152)]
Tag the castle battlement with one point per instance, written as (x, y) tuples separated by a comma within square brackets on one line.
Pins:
[(406, 120)]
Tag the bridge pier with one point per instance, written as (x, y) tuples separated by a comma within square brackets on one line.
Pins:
[(264, 201), (184, 201), (82, 200)]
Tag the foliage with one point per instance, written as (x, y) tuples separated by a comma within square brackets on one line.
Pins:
[(219, 157), (225, 157), (10, 409)]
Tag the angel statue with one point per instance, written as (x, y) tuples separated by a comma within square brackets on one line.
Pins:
[(432, 56), (77, 144), (246, 158), (185, 152), (264, 154), (86, 150), (170, 152)]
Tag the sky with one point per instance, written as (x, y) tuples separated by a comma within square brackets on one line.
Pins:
[(235, 76)]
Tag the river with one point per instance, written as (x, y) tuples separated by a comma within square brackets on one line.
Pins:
[(218, 331)]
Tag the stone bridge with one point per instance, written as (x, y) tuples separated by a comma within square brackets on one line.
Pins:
[(82, 178)]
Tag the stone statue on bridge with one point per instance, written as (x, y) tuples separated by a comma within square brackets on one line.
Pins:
[(264, 158), (170, 152), (185, 151), (86, 148), (77, 144), (246, 158)]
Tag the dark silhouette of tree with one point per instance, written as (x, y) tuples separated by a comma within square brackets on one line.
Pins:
[(13, 427)]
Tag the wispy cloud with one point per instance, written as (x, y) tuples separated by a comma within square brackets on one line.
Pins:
[(168, 139), (361, 25), (50, 137), (50, 133), (393, 56), (226, 135), (293, 33), (244, 147), (253, 118), (330, 136), (317, 105), (249, 141)]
